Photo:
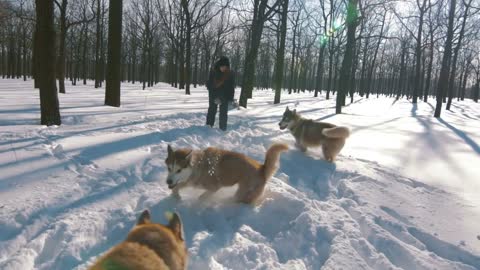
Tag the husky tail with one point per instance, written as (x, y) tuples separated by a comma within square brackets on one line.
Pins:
[(271, 159), (336, 132)]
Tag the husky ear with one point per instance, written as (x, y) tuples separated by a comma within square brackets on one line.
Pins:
[(170, 150), (287, 109), (175, 224), (144, 218)]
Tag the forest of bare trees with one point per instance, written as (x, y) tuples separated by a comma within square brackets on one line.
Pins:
[(415, 49)]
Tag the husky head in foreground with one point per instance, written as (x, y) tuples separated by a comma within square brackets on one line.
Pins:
[(309, 133), (213, 168), (149, 246)]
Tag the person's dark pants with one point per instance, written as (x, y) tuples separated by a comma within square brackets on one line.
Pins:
[(212, 112)]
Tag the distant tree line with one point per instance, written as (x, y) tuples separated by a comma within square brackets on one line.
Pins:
[(416, 49)]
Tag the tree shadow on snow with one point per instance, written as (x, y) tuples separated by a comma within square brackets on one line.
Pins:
[(475, 147)]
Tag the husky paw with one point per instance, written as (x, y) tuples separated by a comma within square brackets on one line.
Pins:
[(176, 196), (205, 195), (202, 197), (301, 148), (330, 159)]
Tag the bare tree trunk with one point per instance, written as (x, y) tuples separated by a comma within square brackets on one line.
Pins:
[(133, 44), (249, 66), (444, 72), (112, 90), (49, 107), (18, 60), (102, 47), (150, 61), (377, 47), (418, 52), (460, 82), (280, 57), (336, 71), (24, 47), (465, 77), (451, 82), (429, 70), (188, 49), (11, 56), (259, 18), (181, 56), (345, 71), (353, 82), (292, 63), (71, 61), (363, 75), (195, 69), (98, 65), (61, 49), (84, 55), (319, 79), (330, 67), (35, 61), (2, 58), (144, 66), (476, 90), (175, 66), (403, 70)]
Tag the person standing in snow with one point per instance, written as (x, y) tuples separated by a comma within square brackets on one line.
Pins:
[(221, 89)]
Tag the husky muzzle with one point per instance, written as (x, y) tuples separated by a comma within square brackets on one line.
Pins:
[(170, 183)]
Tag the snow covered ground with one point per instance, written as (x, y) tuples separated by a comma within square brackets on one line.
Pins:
[(403, 194)]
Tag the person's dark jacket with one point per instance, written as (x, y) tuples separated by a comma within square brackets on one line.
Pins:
[(221, 85)]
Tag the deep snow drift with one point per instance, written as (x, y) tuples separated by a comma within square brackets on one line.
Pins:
[(403, 194)]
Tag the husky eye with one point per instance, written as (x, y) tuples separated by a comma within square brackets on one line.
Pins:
[(179, 170)]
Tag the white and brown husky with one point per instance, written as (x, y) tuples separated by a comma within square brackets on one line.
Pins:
[(213, 168), (309, 133), (149, 246)]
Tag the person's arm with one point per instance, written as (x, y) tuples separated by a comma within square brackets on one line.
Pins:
[(231, 87), (210, 81)]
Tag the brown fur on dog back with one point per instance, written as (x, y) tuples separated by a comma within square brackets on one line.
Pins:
[(336, 132), (271, 159), (129, 255)]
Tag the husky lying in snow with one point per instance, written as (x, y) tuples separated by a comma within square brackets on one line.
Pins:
[(214, 168), (308, 133), (149, 246)]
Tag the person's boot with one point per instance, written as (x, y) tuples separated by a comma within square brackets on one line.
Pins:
[(212, 111), (223, 116)]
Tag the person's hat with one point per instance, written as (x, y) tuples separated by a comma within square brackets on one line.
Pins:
[(223, 61)]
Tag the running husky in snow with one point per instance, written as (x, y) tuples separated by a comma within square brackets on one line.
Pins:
[(309, 133), (214, 168), (149, 246)]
